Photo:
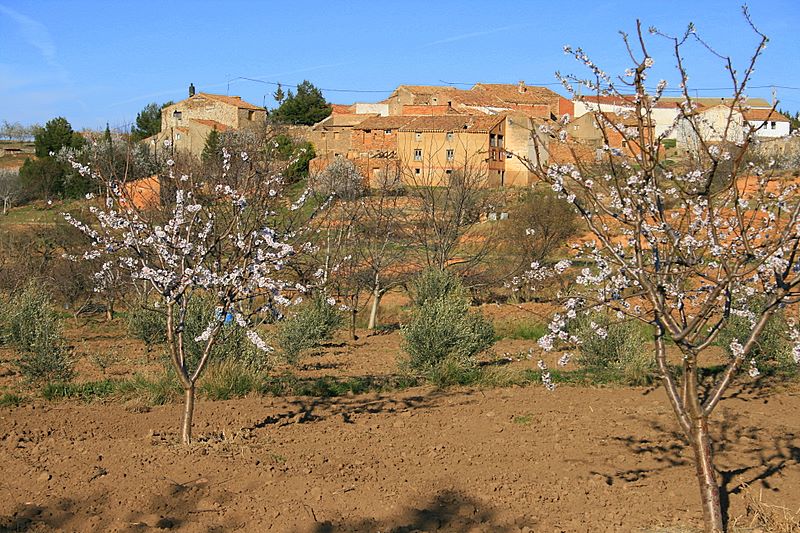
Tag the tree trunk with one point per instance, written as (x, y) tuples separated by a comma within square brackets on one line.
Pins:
[(109, 310), (706, 475), (353, 317), (373, 313), (188, 412)]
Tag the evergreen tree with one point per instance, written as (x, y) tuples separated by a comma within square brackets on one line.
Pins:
[(54, 136), (148, 121), (307, 106), (279, 95), (213, 149), (794, 119), (45, 176)]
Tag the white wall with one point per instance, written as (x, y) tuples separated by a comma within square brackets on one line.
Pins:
[(781, 128), (368, 108)]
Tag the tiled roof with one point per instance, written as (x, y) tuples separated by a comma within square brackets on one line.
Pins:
[(511, 93), (343, 120), (711, 102), (342, 109), (765, 114), (472, 124), (614, 118), (230, 100), (385, 123), (673, 101), (424, 89), (219, 126)]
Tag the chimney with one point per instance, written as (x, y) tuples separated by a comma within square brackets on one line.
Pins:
[(191, 90), (521, 86)]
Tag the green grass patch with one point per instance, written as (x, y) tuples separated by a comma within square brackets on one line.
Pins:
[(87, 391), (532, 331), (8, 399), (523, 420)]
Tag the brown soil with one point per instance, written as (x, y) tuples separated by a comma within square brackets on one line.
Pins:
[(512, 459)]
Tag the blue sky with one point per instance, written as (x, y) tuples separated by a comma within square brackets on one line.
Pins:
[(102, 61)]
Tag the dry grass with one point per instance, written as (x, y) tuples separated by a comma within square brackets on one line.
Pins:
[(764, 517)]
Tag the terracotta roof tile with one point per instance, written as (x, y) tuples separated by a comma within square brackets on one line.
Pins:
[(473, 124), (219, 126), (511, 93), (343, 120), (342, 109), (230, 100), (385, 123), (765, 114)]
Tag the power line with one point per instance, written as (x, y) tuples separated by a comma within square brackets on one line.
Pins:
[(320, 88), (550, 84)]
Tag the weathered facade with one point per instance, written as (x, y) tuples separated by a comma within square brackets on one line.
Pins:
[(186, 124)]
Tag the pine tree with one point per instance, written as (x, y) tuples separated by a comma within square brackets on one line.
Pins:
[(213, 148), (279, 95), (307, 106)]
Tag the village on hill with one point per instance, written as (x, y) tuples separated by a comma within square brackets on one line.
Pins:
[(459, 308)]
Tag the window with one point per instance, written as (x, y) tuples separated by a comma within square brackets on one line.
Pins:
[(450, 155), (335, 134), (251, 115), (387, 132), (508, 155), (449, 172), (492, 139), (418, 135), (499, 140), (178, 136), (177, 115), (367, 131), (773, 125), (418, 154), (417, 171), (449, 135)]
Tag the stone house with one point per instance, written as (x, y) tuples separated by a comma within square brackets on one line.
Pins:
[(769, 122), (595, 129), (431, 149), (482, 98), (665, 114), (186, 124), (331, 136)]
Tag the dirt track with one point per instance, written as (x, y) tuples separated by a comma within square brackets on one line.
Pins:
[(458, 460)]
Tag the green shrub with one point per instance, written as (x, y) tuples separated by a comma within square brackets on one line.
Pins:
[(773, 346), (30, 325), (532, 331), (434, 284), (312, 324), (150, 326), (443, 336), (623, 348), (8, 399), (229, 379), (88, 391), (147, 325), (159, 391)]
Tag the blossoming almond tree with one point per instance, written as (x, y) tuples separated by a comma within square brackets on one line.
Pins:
[(213, 239), (679, 247)]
